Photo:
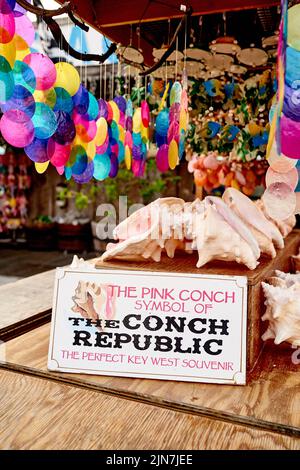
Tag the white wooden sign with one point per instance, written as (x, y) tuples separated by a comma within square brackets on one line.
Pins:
[(186, 327)]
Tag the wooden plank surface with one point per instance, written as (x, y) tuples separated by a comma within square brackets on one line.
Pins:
[(271, 400), (184, 263), (25, 301), (41, 414)]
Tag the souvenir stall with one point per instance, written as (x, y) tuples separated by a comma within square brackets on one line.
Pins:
[(201, 293)]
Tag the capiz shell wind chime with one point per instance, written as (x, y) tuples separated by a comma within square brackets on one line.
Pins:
[(51, 114)]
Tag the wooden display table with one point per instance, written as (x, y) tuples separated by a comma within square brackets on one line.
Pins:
[(183, 263), (45, 410)]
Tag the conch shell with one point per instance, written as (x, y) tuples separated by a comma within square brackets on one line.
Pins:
[(231, 246), (284, 226), (266, 233), (144, 235), (283, 308), (93, 301)]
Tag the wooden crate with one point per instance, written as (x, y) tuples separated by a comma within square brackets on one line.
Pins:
[(183, 263)]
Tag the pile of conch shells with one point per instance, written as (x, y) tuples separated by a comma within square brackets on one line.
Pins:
[(282, 294), (229, 229)]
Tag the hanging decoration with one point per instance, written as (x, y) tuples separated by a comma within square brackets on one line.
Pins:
[(50, 113), (229, 120), (140, 139), (283, 145), (171, 127)]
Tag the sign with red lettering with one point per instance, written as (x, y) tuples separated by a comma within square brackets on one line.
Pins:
[(189, 327)]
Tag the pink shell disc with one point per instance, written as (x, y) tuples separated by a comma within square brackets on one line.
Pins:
[(173, 132), (145, 113), (7, 27), (280, 163), (128, 140), (58, 154), (290, 177), (17, 128), (279, 200), (43, 69), (162, 158)]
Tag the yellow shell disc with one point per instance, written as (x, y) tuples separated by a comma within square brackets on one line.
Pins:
[(91, 149), (101, 131), (183, 118), (22, 48), (164, 98), (115, 110), (271, 135), (173, 156), (127, 157), (67, 77), (137, 120), (121, 134), (41, 167), (78, 141), (8, 51)]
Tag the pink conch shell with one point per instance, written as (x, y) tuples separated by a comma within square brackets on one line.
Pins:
[(263, 230), (93, 301), (284, 226), (283, 309), (235, 222), (216, 239), (143, 235)]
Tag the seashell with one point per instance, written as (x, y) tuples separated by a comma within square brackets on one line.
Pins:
[(284, 226), (266, 233), (216, 239), (288, 278), (283, 310), (93, 301)]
